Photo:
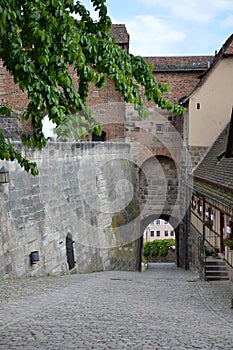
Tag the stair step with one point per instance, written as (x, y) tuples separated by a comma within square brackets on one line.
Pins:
[(215, 270), (213, 262), (217, 278), (213, 267), (216, 273)]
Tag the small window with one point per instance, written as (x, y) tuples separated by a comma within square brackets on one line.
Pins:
[(158, 233), (166, 233), (165, 222), (198, 105), (193, 202), (199, 208), (159, 128), (152, 233), (172, 233), (157, 222), (102, 138), (211, 217)]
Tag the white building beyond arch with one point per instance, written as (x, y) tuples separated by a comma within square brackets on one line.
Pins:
[(158, 229), (48, 127)]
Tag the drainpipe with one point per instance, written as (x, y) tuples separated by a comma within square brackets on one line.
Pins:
[(139, 253), (186, 143), (203, 234), (186, 189), (203, 217)]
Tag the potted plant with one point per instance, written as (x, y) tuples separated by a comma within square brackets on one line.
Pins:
[(215, 252), (228, 242), (208, 251)]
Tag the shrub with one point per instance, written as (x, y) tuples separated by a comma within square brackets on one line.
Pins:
[(147, 248), (158, 247)]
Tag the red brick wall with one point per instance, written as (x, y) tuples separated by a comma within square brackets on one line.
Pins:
[(106, 111), (10, 92), (110, 114), (180, 83)]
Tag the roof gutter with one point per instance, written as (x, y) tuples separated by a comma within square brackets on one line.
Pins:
[(208, 195)]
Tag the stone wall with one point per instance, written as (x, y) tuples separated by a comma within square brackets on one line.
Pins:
[(196, 154), (194, 260), (10, 126), (169, 258), (84, 190)]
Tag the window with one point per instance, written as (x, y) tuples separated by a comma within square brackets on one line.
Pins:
[(166, 233), (172, 233), (199, 208), (152, 233), (193, 203), (99, 138), (229, 228), (165, 222), (198, 105), (159, 128), (157, 222), (158, 233), (211, 217)]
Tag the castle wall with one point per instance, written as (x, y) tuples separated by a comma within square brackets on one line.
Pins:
[(76, 194)]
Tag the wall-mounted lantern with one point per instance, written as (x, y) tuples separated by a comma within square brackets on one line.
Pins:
[(34, 257), (4, 175)]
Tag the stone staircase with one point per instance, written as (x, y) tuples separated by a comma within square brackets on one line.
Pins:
[(215, 270)]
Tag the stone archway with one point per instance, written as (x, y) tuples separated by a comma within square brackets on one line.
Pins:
[(70, 251), (158, 186), (178, 228)]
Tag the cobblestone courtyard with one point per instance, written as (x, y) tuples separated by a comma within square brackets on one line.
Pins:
[(162, 308)]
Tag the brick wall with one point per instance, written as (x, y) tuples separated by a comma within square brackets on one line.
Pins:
[(10, 92), (196, 153), (181, 83)]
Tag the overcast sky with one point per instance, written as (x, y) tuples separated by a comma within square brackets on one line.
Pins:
[(173, 27)]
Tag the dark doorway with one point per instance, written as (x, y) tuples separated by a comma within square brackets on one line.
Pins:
[(70, 251), (101, 138)]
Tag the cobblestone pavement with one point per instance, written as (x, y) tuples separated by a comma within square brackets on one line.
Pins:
[(162, 308)]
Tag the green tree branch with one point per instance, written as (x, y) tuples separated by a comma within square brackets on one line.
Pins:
[(41, 40)]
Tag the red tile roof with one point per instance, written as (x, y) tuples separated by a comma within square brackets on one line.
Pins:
[(216, 168), (180, 63), (227, 48)]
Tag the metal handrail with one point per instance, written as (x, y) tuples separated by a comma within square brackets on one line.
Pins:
[(203, 243), (202, 256)]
